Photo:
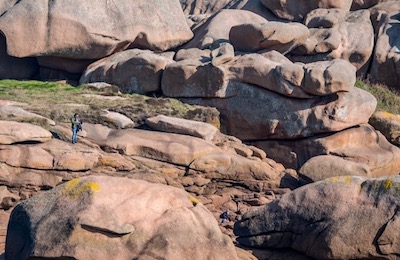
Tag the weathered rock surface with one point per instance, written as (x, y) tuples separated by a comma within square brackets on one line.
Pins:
[(14, 132), (324, 219), (10, 111), (364, 4), (296, 10), (15, 68), (385, 66), (326, 166), (77, 220), (334, 34), (117, 120), (193, 78), (65, 30), (167, 147), (388, 124), (53, 154), (363, 145), (216, 29), (294, 80), (281, 37), (286, 118), (182, 126), (133, 71)]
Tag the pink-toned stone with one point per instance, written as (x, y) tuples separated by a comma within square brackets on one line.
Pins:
[(15, 132), (149, 220)]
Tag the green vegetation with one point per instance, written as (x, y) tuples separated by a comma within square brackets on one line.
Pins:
[(58, 101), (388, 100)]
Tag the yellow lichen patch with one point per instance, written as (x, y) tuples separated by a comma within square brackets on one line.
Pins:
[(193, 200), (388, 184), (340, 179), (75, 187)]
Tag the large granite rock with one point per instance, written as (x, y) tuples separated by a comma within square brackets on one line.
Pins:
[(216, 29), (54, 154), (15, 68), (291, 79), (282, 37), (336, 34), (385, 66), (92, 30), (133, 71), (339, 218), (388, 124), (362, 145), (364, 4), (253, 113), (15, 132), (295, 10), (182, 126), (167, 147), (106, 217)]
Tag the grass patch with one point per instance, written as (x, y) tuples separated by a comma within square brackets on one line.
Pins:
[(388, 99), (59, 101)]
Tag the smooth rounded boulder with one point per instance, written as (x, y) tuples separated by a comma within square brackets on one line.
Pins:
[(15, 132), (115, 218), (133, 71), (346, 217), (92, 30), (216, 29), (281, 37)]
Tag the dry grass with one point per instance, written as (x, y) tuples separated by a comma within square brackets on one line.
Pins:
[(388, 99), (58, 101)]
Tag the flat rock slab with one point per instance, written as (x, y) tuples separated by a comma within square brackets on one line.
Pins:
[(14, 132)]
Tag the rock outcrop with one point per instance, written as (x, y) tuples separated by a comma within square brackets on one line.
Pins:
[(133, 71), (296, 10), (79, 219), (363, 145), (385, 66), (67, 31), (14, 132), (336, 34), (286, 118), (323, 220)]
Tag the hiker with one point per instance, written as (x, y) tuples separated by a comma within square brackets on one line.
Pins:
[(76, 126), (224, 216)]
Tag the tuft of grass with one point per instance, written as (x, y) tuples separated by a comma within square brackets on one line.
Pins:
[(388, 99)]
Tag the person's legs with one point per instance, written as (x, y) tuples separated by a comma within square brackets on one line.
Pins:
[(74, 134)]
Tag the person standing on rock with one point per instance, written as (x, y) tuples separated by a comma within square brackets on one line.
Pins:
[(76, 126)]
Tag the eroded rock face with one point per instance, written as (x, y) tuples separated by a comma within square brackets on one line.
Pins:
[(79, 219), (14, 132), (66, 30), (182, 126), (15, 68), (324, 219), (362, 145), (295, 10), (133, 71), (216, 29), (336, 34), (281, 37), (386, 61), (293, 79), (388, 124), (287, 118)]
